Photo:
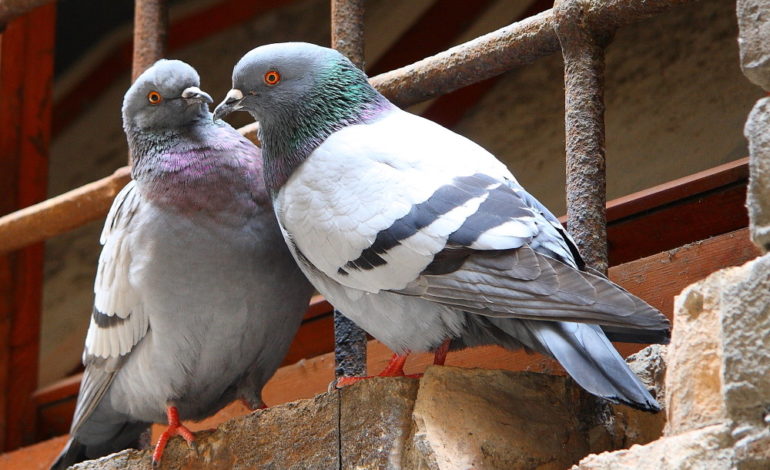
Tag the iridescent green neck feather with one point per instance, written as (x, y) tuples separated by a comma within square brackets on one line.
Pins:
[(341, 97)]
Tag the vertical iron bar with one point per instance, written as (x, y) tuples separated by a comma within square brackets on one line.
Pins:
[(348, 38), (583, 52), (150, 34)]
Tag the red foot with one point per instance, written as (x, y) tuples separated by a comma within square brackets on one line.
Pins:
[(175, 428), (439, 357), (395, 368)]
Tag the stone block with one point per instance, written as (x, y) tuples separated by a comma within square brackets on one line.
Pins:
[(451, 418), (719, 357), (375, 421), (746, 342), (754, 40), (701, 449), (492, 419), (758, 198), (649, 365), (297, 435), (693, 379)]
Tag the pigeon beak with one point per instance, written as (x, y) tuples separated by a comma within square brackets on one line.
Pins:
[(196, 94), (231, 103)]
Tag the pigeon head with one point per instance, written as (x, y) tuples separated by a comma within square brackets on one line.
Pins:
[(300, 93), (165, 96)]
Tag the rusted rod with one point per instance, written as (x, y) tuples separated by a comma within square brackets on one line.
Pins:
[(518, 44), (348, 38), (583, 51), (150, 34), (61, 213), (10, 9), (348, 29)]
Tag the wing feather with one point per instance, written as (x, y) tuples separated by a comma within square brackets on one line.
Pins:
[(490, 284), (118, 320)]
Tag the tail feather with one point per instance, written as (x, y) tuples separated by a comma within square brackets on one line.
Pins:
[(73, 452), (102, 440), (589, 358)]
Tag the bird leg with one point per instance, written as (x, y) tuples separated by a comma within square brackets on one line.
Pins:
[(395, 368), (175, 428), (252, 406), (439, 357)]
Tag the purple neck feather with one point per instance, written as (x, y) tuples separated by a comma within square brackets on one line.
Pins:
[(207, 169)]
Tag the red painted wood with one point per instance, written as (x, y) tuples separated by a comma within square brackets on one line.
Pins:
[(26, 75), (735, 172), (702, 205)]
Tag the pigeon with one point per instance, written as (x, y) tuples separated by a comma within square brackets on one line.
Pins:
[(197, 297), (422, 237)]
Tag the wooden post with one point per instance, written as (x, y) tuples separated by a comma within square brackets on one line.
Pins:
[(26, 75)]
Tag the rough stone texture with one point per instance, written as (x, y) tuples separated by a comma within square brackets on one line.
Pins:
[(485, 419), (298, 435), (758, 198), (701, 449), (451, 418), (375, 420), (693, 382), (649, 365), (746, 342), (754, 40), (718, 379)]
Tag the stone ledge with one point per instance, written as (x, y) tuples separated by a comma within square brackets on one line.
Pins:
[(452, 418)]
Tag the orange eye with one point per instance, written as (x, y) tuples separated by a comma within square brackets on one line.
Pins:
[(272, 77), (154, 97)]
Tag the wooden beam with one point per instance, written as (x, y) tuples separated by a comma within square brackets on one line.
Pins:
[(708, 203), (26, 75)]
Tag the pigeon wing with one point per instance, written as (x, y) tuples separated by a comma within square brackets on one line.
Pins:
[(118, 321)]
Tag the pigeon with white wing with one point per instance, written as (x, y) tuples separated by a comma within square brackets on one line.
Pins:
[(422, 237), (197, 297)]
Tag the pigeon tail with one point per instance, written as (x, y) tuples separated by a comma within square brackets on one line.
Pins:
[(589, 358), (74, 451), (126, 435)]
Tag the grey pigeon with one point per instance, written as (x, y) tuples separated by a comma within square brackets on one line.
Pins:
[(197, 297), (421, 236)]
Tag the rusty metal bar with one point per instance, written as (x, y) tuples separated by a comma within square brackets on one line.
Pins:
[(61, 213), (518, 44), (583, 51), (459, 66), (348, 38), (10, 9), (150, 34), (348, 29)]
